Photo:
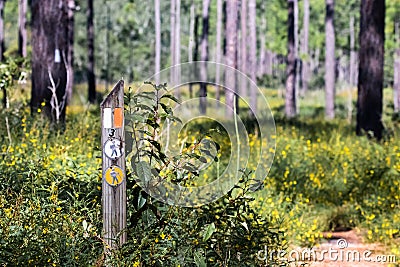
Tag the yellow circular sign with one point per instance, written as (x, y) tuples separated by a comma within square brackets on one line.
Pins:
[(114, 175)]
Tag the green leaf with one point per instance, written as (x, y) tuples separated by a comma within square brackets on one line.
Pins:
[(208, 232), (199, 258), (203, 159), (167, 109), (173, 118), (141, 201), (136, 117), (173, 98), (143, 171)]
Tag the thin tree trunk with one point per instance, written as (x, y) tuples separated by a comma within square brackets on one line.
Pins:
[(296, 49), (329, 61), (305, 73), (352, 78), (243, 46), (218, 49), (196, 38), (90, 37), (4, 89), (2, 47), (172, 40), (396, 84), (22, 38), (269, 58), (230, 56), (178, 45), (204, 57), (370, 75), (191, 31), (191, 40), (290, 94), (396, 70), (158, 40), (262, 62), (253, 53), (196, 48), (70, 50), (107, 54), (49, 58)]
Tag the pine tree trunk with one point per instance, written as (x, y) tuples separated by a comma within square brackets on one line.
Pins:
[(290, 94), (296, 50), (157, 23), (50, 58), (172, 40), (269, 58), (262, 60), (353, 64), (178, 45), (396, 71), (329, 61), (305, 73), (370, 74), (396, 84), (204, 57), (90, 39), (70, 49), (253, 52), (191, 31), (243, 46), (230, 56), (2, 47), (22, 38), (218, 51), (196, 49)]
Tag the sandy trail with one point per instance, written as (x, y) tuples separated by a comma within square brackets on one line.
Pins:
[(347, 250)]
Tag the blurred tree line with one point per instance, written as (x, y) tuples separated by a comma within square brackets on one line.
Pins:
[(125, 35), (315, 45)]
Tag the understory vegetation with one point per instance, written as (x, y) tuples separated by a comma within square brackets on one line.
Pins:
[(323, 178)]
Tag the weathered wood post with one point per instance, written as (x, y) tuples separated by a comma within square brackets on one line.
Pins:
[(113, 168)]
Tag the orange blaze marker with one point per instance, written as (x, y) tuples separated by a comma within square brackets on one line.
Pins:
[(118, 117)]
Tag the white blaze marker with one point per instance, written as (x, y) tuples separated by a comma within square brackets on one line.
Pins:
[(107, 118)]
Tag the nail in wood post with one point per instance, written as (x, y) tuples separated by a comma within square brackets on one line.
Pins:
[(113, 168)]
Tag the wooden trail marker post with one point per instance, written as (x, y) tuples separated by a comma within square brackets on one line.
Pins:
[(113, 167)]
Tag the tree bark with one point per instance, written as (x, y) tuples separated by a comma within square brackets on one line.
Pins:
[(2, 47), (290, 94), (50, 56), (69, 62), (192, 36), (253, 53), (262, 61), (396, 71), (305, 73), (231, 55), (296, 49), (22, 38), (172, 39), (329, 60), (243, 46), (204, 57), (157, 23), (178, 44), (90, 37), (218, 49), (370, 78), (353, 64), (396, 83)]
